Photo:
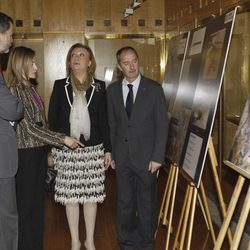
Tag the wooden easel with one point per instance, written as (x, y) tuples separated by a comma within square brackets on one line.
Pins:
[(166, 212), (191, 195), (231, 208), (169, 195), (187, 216), (214, 166)]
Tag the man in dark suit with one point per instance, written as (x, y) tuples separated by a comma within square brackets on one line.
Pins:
[(11, 109), (138, 126)]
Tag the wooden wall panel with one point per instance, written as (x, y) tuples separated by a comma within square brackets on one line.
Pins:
[(139, 14), (208, 9), (113, 10), (56, 47), (117, 16), (149, 11), (36, 13), (22, 12), (228, 3), (6, 6), (182, 13), (63, 15), (25, 10), (101, 11), (98, 11), (187, 14), (70, 16), (156, 10)]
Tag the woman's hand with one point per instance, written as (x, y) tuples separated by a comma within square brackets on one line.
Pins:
[(72, 142), (112, 164), (107, 160)]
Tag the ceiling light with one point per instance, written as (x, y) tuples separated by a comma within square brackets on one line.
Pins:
[(136, 3), (128, 11)]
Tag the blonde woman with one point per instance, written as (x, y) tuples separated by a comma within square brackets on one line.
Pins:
[(78, 108), (33, 136)]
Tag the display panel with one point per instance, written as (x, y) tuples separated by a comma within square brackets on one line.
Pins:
[(197, 95), (174, 68), (240, 152), (176, 52)]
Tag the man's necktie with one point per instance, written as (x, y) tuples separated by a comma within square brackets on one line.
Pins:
[(129, 100)]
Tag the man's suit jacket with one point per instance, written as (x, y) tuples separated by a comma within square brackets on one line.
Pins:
[(11, 109), (144, 135)]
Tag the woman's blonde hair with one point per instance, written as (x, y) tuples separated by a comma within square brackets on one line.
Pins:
[(92, 67), (19, 64)]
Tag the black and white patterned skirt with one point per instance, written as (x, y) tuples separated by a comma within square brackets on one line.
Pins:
[(80, 174)]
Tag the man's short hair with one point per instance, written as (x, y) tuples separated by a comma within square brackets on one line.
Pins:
[(5, 22), (126, 48)]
